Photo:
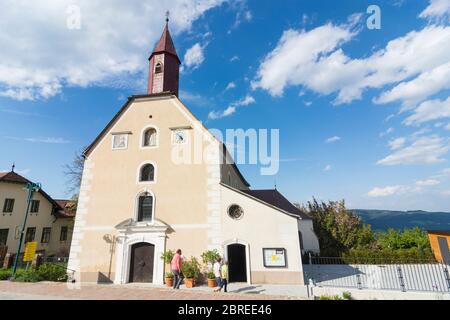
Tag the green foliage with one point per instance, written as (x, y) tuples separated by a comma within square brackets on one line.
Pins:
[(337, 228), (342, 233), (5, 274), (211, 275), (346, 295), (210, 256), (191, 268), (170, 275), (52, 272), (29, 275), (327, 297), (406, 239), (167, 256)]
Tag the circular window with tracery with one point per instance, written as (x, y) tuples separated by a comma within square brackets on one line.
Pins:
[(235, 212)]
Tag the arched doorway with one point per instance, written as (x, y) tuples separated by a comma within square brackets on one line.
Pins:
[(237, 262), (142, 262)]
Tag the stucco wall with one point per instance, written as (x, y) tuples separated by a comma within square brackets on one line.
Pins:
[(263, 227)]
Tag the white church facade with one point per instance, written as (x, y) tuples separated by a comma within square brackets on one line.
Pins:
[(136, 201)]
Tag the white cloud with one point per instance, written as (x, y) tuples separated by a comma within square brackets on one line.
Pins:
[(46, 140), (388, 191), (387, 132), (40, 55), (424, 150), (447, 127), (230, 86), (327, 168), (436, 9), (234, 58), (194, 56), (418, 89), (333, 139), (246, 101), (397, 143), (314, 59), (427, 183), (430, 110)]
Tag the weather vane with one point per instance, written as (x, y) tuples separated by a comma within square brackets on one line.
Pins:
[(167, 16)]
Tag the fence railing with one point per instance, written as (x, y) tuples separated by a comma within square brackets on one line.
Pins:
[(403, 275)]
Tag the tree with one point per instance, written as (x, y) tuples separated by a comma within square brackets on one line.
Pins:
[(74, 173), (337, 228)]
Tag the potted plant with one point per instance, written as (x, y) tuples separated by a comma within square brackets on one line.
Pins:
[(167, 257), (169, 279), (191, 270), (209, 258), (211, 280)]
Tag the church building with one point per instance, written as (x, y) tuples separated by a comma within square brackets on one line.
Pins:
[(140, 197)]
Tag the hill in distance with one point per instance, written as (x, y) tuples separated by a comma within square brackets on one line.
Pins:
[(382, 220)]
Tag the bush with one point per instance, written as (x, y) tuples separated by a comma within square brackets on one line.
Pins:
[(347, 295), (169, 275), (211, 276), (52, 272), (191, 268), (167, 256), (326, 297), (5, 274), (29, 275)]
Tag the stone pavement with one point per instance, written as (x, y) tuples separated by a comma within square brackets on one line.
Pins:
[(61, 291)]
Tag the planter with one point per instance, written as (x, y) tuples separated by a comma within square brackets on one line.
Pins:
[(212, 283), (190, 283), (169, 282)]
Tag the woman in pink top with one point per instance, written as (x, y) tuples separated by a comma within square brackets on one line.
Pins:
[(176, 269)]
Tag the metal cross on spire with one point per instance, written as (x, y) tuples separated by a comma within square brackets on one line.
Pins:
[(167, 16), (13, 167)]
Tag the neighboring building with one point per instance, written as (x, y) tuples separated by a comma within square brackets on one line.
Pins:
[(50, 223), (137, 200), (440, 244)]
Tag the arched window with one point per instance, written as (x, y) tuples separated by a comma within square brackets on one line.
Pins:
[(145, 210), (158, 68), (147, 173), (150, 138)]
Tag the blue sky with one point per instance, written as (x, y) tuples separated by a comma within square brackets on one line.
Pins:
[(364, 115)]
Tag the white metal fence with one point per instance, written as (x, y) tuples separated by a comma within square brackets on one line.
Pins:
[(393, 276)]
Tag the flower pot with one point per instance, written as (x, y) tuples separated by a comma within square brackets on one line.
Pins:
[(169, 282), (212, 283), (190, 283)]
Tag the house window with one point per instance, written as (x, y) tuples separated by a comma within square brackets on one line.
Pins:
[(120, 141), (30, 235), (147, 173), (145, 208), (46, 232), (8, 206), (3, 236), (63, 235), (150, 138), (34, 206), (158, 68), (235, 212)]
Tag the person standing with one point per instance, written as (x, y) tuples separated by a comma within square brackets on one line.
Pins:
[(224, 277), (217, 272), (176, 269)]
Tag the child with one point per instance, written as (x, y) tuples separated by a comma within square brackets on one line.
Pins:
[(224, 276), (217, 272)]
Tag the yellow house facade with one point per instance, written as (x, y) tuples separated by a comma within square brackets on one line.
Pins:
[(49, 223)]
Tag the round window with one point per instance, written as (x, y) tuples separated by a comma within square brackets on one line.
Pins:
[(235, 212)]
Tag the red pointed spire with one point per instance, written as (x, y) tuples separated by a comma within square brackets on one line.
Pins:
[(165, 44)]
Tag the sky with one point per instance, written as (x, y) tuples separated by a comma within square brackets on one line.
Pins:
[(362, 103)]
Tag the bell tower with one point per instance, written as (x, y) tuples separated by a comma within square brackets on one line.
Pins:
[(165, 64)]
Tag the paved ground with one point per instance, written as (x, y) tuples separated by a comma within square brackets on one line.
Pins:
[(61, 291)]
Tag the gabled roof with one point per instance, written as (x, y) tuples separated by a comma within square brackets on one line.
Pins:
[(274, 199), (13, 177), (165, 45), (67, 211)]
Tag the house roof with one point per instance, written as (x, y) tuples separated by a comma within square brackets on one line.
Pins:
[(67, 211), (13, 177), (273, 199), (441, 232), (165, 45), (276, 199)]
